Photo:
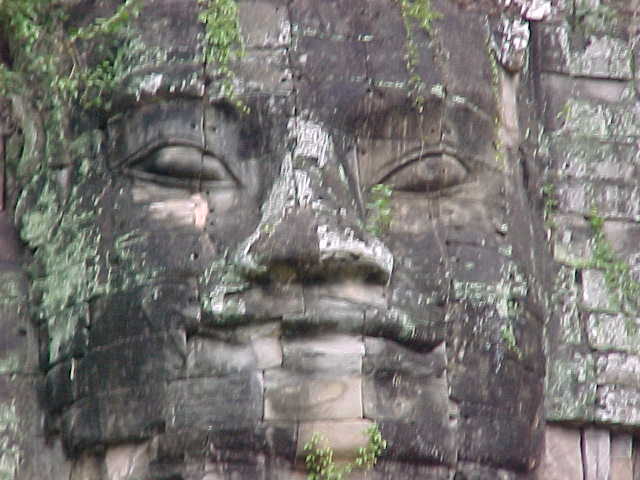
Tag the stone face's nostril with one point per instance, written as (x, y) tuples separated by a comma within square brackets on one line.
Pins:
[(316, 247), (354, 251)]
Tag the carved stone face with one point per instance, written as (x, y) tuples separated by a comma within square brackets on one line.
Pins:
[(345, 240)]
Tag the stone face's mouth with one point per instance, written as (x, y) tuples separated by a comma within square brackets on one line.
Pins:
[(347, 308)]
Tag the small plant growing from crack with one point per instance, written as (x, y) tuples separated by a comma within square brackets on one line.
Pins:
[(321, 464), (379, 209)]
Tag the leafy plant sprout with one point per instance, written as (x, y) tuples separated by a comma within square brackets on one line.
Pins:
[(321, 464)]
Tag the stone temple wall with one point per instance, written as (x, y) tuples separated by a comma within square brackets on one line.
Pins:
[(586, 57)]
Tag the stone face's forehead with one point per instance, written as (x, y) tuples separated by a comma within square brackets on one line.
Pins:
[(338, 61)]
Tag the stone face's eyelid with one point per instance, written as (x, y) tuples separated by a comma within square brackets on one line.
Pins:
[(179, 163), (150, 147), (419, 155)]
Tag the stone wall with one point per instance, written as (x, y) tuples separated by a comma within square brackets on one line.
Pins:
[(590, 453)]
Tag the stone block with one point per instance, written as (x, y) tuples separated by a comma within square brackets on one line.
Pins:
[(610, 200), (344, 437), (618, 369), (603, 57), (565, 302), (570, 386), (596, 452), (624, 236), (127, 461), (426, 441), (124, 415), (268, 352), (554, 47), (383, 354), (571, 239), (562, 458), (242, 441), (213, 358), (210, 401), (341, 354), (131, 362), (353, 290), (397, 395), (264, 24), (618, 404), (265, 343), (265, 71), (488, 436), (477, 471), (293, 396), (595, 293), (614, 332), (621, 456)]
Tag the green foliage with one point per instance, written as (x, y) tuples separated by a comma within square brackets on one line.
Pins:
[(421, 11), (509, 339), (49, 59), (379, 209), (129, 10), (321, 465), (57, 70), (550, 203), (223, 41)]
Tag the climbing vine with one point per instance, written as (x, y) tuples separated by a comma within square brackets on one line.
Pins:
[(57, 68), (419, 11), (223, 41), (379, 209), (624, 290)]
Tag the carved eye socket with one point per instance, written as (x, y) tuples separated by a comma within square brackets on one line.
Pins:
[(426, 174), (181, 165)]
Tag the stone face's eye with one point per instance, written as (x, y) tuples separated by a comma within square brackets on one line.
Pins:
[(426, 174), (181, 165)]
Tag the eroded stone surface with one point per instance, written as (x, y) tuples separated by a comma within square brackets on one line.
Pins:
[(562, 459)]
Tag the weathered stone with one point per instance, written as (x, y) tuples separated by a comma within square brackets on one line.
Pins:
[(426, 440), (595, 293), (266, 71), (604, 57), (568, 329), (127, 461), (621, 457), (343, 437), (570, 386), (477, 471), (562, 458), (294, 396), (613, 331), (618, 369), (213, 358), (596, 451), (618, 405), (211, 401), (318, 211), (126, 364), (341, 354), (264, 24), (265, 343), (571, 239)]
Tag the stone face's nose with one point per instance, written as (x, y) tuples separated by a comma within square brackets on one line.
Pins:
[(314, 246), (310, 220)]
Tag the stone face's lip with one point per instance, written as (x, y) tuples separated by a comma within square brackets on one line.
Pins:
[(366, 320)]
